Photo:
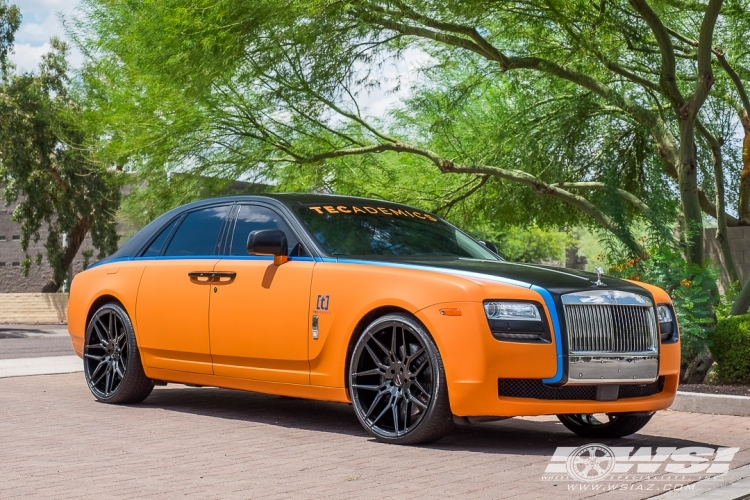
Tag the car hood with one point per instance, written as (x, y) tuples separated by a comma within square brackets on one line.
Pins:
[(554, 279)]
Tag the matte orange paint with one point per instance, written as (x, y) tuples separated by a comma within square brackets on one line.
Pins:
[(254, 332), (259, 320)]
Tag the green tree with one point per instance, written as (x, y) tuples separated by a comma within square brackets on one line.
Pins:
[(47, 159), (608, 114)]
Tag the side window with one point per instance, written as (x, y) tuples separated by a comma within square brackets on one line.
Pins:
[(251, 218), (155, 247), (198, 233)]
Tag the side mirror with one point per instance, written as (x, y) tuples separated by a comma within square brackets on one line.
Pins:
[(269, 242), (491, 246)]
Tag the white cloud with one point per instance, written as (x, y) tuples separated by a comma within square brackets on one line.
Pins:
[(40, 23), (27, 58)]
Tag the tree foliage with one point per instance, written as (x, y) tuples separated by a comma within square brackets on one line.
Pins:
[(46, 161), (592, 106)]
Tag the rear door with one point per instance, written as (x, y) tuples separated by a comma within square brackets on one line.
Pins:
[(258, 310), (172, 306)]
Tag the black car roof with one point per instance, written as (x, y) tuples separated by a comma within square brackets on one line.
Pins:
[(135, 244)]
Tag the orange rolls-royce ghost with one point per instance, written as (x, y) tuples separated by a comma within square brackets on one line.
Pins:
[(372, 303)]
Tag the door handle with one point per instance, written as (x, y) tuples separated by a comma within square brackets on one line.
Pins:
[(207, 277), (223, 276), (201, 278)]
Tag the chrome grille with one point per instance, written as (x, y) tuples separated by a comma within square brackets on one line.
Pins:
[(610, 322)]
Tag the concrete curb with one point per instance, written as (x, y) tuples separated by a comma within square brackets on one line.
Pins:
[(23, 367), (718, 404)]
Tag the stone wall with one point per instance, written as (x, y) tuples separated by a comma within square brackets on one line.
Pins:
[(33, 308), (739, 246)]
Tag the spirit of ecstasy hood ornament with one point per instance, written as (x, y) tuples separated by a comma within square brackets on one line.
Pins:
[(599, 272)]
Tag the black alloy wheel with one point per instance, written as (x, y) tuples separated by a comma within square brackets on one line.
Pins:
[(111, 361), (615, 425), (397, 382)]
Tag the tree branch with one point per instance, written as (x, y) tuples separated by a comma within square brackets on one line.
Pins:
[(626, 195), (668, 63)]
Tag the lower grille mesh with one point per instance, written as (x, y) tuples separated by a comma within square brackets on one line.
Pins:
[(536, 389)]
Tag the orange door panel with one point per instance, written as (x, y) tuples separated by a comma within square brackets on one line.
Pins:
[(172, 315), (259, 320)]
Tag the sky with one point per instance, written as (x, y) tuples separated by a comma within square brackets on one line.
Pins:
[(40, 23)]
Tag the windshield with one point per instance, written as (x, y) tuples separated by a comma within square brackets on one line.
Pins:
[(359, 230)]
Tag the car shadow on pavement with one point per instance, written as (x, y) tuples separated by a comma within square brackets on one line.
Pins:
[(509, 436)]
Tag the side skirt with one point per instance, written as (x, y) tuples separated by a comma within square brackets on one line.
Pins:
[(320, 393)]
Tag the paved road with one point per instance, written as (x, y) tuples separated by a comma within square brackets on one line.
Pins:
[(34, 341), (56, 441)]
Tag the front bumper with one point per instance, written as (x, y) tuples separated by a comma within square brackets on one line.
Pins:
[(475, 361)]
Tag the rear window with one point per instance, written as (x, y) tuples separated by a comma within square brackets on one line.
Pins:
[(199, 233)]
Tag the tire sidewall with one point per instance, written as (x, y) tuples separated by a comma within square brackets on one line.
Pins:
[(435, 362)]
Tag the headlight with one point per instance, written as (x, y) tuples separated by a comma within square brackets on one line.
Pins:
[(667, 326), (665, 315), (512, 310)]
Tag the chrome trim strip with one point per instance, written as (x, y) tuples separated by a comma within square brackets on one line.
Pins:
[(606, 297), (587, 370)]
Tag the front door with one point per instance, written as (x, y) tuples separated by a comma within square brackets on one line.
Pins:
[(172, 305), (259, 317)]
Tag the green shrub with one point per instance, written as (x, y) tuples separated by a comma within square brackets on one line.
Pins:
[(730, 347)]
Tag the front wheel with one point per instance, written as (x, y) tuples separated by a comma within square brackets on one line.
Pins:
[(612, 425), (111, 361), (397, 382)]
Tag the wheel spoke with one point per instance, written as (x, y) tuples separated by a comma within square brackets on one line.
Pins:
[(107, 389), (368, 387), (91, 356), (421, 389), (390, 403), (111, 329), (102, 340), (394, 410), (102, 364), (95, 346), (106, 331), (404, 353), (420, 368), (374, 371), (375, 358), (120, 373), (394, 348), (384, 348), (414, 356), (375, 403), (417, 402), (407, 413)]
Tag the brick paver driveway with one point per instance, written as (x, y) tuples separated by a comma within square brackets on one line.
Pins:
[(57, 442)]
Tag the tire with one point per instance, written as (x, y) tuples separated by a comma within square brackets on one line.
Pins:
[(619, 424), (111, 361), (397, 382)]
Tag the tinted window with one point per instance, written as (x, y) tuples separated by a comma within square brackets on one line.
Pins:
[(347, 230), (198, 233), (155, 248), (252, 218)]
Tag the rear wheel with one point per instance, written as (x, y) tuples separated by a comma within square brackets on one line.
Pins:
[(397, 382), (111, 361), (608, 425)]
